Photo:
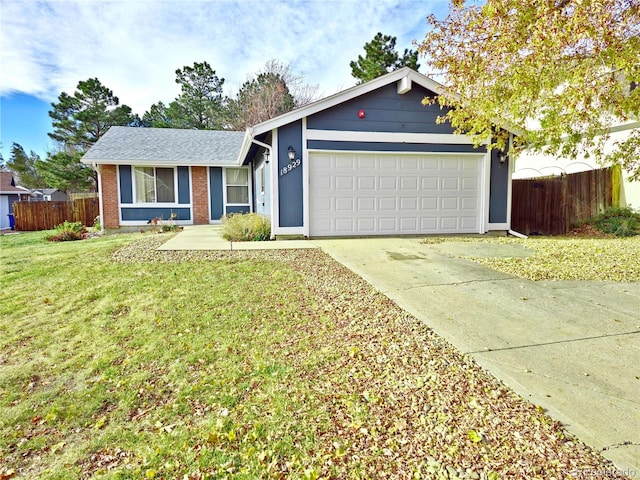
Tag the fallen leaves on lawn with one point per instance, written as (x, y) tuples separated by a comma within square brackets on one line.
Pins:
[(607, 259)]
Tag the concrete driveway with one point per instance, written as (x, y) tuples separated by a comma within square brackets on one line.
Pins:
[(571, 347)]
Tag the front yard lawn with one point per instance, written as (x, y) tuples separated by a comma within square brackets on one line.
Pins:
[(120, 361)]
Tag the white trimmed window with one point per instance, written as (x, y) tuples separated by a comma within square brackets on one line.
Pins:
[(237, 180), (154, 185)]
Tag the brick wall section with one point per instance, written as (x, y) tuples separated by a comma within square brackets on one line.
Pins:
[(200, 195), (109, 196)]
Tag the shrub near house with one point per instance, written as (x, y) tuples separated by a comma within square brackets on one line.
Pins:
[(68, 231), (246, 228)]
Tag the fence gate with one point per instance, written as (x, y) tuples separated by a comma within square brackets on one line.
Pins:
[(553, 205)]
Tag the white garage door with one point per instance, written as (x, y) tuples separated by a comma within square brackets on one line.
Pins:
[(386, 194)]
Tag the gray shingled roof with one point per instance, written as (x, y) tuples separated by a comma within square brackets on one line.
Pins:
[(166, 146)]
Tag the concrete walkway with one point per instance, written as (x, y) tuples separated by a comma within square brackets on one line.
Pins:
[(209, 237), (571, 347)]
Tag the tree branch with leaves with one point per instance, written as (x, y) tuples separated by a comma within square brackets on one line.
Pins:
[(559, 71)]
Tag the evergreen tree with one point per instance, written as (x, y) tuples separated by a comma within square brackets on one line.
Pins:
[(23, 166), (79, 120), (380, 58), (200, 103)]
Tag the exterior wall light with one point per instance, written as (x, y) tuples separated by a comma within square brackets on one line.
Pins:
[(266, 155), (291, 153), (503, 157)]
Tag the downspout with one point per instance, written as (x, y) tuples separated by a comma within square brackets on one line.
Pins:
[(100, 203), (270, 149)]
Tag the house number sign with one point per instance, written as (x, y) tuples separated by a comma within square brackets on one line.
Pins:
[(286, 169)]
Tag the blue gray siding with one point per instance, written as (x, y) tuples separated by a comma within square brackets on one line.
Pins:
[(215, 193), (393, 147), (147, 213), (385, 111), (498, 189), (126, 184), (238, 209), (184, 189), (290, 200)]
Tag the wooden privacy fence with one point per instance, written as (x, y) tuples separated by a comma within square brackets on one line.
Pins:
[(46, 215), (554, 205)]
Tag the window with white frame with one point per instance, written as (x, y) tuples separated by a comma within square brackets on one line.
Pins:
[(262, 179), (154, 184), (237, 180)]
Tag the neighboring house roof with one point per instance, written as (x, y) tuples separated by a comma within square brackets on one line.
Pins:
[(8, 185), (50, 191), (165, 146)]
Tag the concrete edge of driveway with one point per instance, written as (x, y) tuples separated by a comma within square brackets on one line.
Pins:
[(209, 237)]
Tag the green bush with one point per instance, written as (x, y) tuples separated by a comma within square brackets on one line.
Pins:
[(246, 227), (68, 231), (622, 222)]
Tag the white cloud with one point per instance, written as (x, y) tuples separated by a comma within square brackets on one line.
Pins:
[(134, 47)]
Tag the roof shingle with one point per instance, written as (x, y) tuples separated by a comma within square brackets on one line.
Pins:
[(159, 146)]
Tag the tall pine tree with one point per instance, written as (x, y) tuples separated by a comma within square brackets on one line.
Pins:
[(381, 57), (79, 121)]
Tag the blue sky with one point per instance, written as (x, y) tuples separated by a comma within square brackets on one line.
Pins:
[(134, 48)]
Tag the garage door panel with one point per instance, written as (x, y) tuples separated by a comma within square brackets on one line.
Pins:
[(383, 193), (470, 164), (345, 204), (470, 183), (431, 163), (366, 162), (387, 204), (366, 225), (449, 164), (430, 183), (366, 204), (467, 203), (388, 183), (366, 183), (468, 222), (410, 203), (451, 183), (409, 224), (343, 163), (324, 205), (409, 164), (428, 224), (388, 224), (429, 203), (388, 163), (449, 203), (344, 225), (409, 183), (344, 183), (449, 224), (322, 162)]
